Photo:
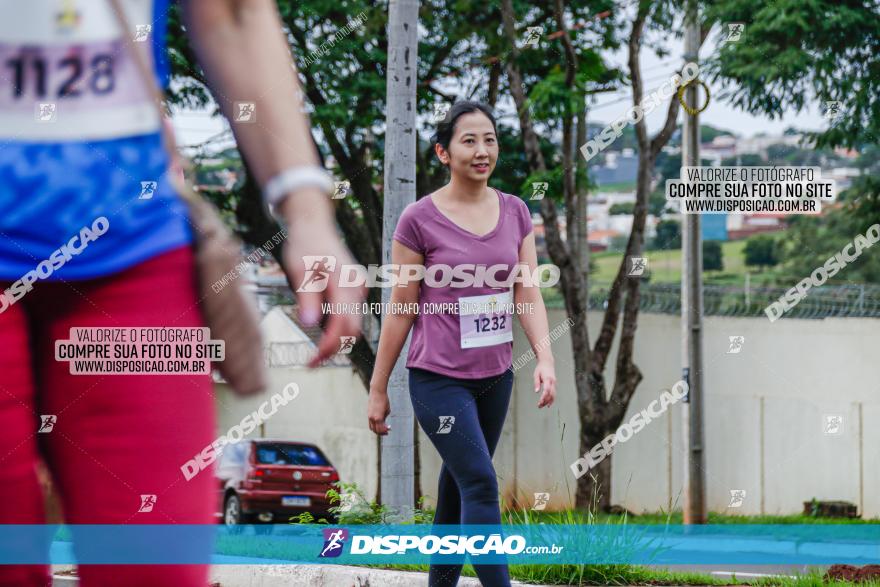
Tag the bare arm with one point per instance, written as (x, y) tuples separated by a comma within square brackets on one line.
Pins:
[(534, 322), (395, 329), (241, 47)]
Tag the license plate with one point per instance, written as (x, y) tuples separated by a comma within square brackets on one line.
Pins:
[(296, 500)]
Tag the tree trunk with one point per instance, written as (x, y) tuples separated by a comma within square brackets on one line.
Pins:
[(600, 413)]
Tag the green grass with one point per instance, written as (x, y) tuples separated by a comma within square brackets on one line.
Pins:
[(665, 267), (588, 575), (624, 186), (675, 518), (813, 579)]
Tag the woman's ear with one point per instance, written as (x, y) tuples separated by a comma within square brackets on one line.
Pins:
[(441, 153)]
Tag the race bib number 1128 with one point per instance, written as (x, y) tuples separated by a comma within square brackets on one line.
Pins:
[(86, 75)]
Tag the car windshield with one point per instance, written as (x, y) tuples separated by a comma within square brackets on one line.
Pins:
[(290, 454)]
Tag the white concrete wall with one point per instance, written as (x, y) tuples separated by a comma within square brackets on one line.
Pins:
[(765, 411), (764, 419)]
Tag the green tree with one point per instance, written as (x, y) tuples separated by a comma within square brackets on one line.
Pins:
[(796, 54), (789, 58), (761, 251), (621, 208), (549, 89), (668, 235), (712, 256)]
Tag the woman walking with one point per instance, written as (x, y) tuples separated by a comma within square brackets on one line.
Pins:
[(460, 376)]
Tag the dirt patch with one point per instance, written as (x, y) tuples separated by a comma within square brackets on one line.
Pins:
[(869, 573), (853, 574)]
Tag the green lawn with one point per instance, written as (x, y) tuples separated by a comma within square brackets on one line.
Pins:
[(617, 187), (675, 518), (665, 267)]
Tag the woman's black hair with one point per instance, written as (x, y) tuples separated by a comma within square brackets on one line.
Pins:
[(446, 128)]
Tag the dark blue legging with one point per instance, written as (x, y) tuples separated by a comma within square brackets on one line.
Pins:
[(467, 490)]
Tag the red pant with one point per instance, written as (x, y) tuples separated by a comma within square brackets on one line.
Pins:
[(116, 437)]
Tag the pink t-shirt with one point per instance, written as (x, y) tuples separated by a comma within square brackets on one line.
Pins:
[(474, 342)]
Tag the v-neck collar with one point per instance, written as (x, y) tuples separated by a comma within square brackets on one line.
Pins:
[(488, 235)]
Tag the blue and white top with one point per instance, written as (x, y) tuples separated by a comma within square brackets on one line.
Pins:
[(80, 138)]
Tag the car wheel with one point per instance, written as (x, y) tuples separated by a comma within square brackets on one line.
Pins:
[(232, 515)]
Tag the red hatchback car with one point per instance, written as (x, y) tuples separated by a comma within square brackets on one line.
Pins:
[(261, 480)]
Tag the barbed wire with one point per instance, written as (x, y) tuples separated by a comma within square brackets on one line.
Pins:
[(851, 301)]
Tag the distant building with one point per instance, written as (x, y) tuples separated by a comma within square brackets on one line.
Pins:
[(758, 145), (721, 147), (600, 240), (619, 167), (713, 227), (741, 226), (842, 176)]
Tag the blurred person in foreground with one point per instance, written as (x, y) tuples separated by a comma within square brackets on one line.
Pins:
[(84, 185)]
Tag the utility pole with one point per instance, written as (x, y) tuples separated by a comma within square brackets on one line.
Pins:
[(692, 300), (398, 474)]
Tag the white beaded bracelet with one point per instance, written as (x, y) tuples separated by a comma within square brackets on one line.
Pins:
[(293, 179)]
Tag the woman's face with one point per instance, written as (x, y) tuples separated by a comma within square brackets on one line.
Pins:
[(473, 150)]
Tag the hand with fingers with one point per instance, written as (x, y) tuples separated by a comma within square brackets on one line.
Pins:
[(313, 259), (378, 409), (545, 382)]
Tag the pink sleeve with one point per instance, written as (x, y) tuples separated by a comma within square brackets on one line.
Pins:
[(523, 218), (407, 231)]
